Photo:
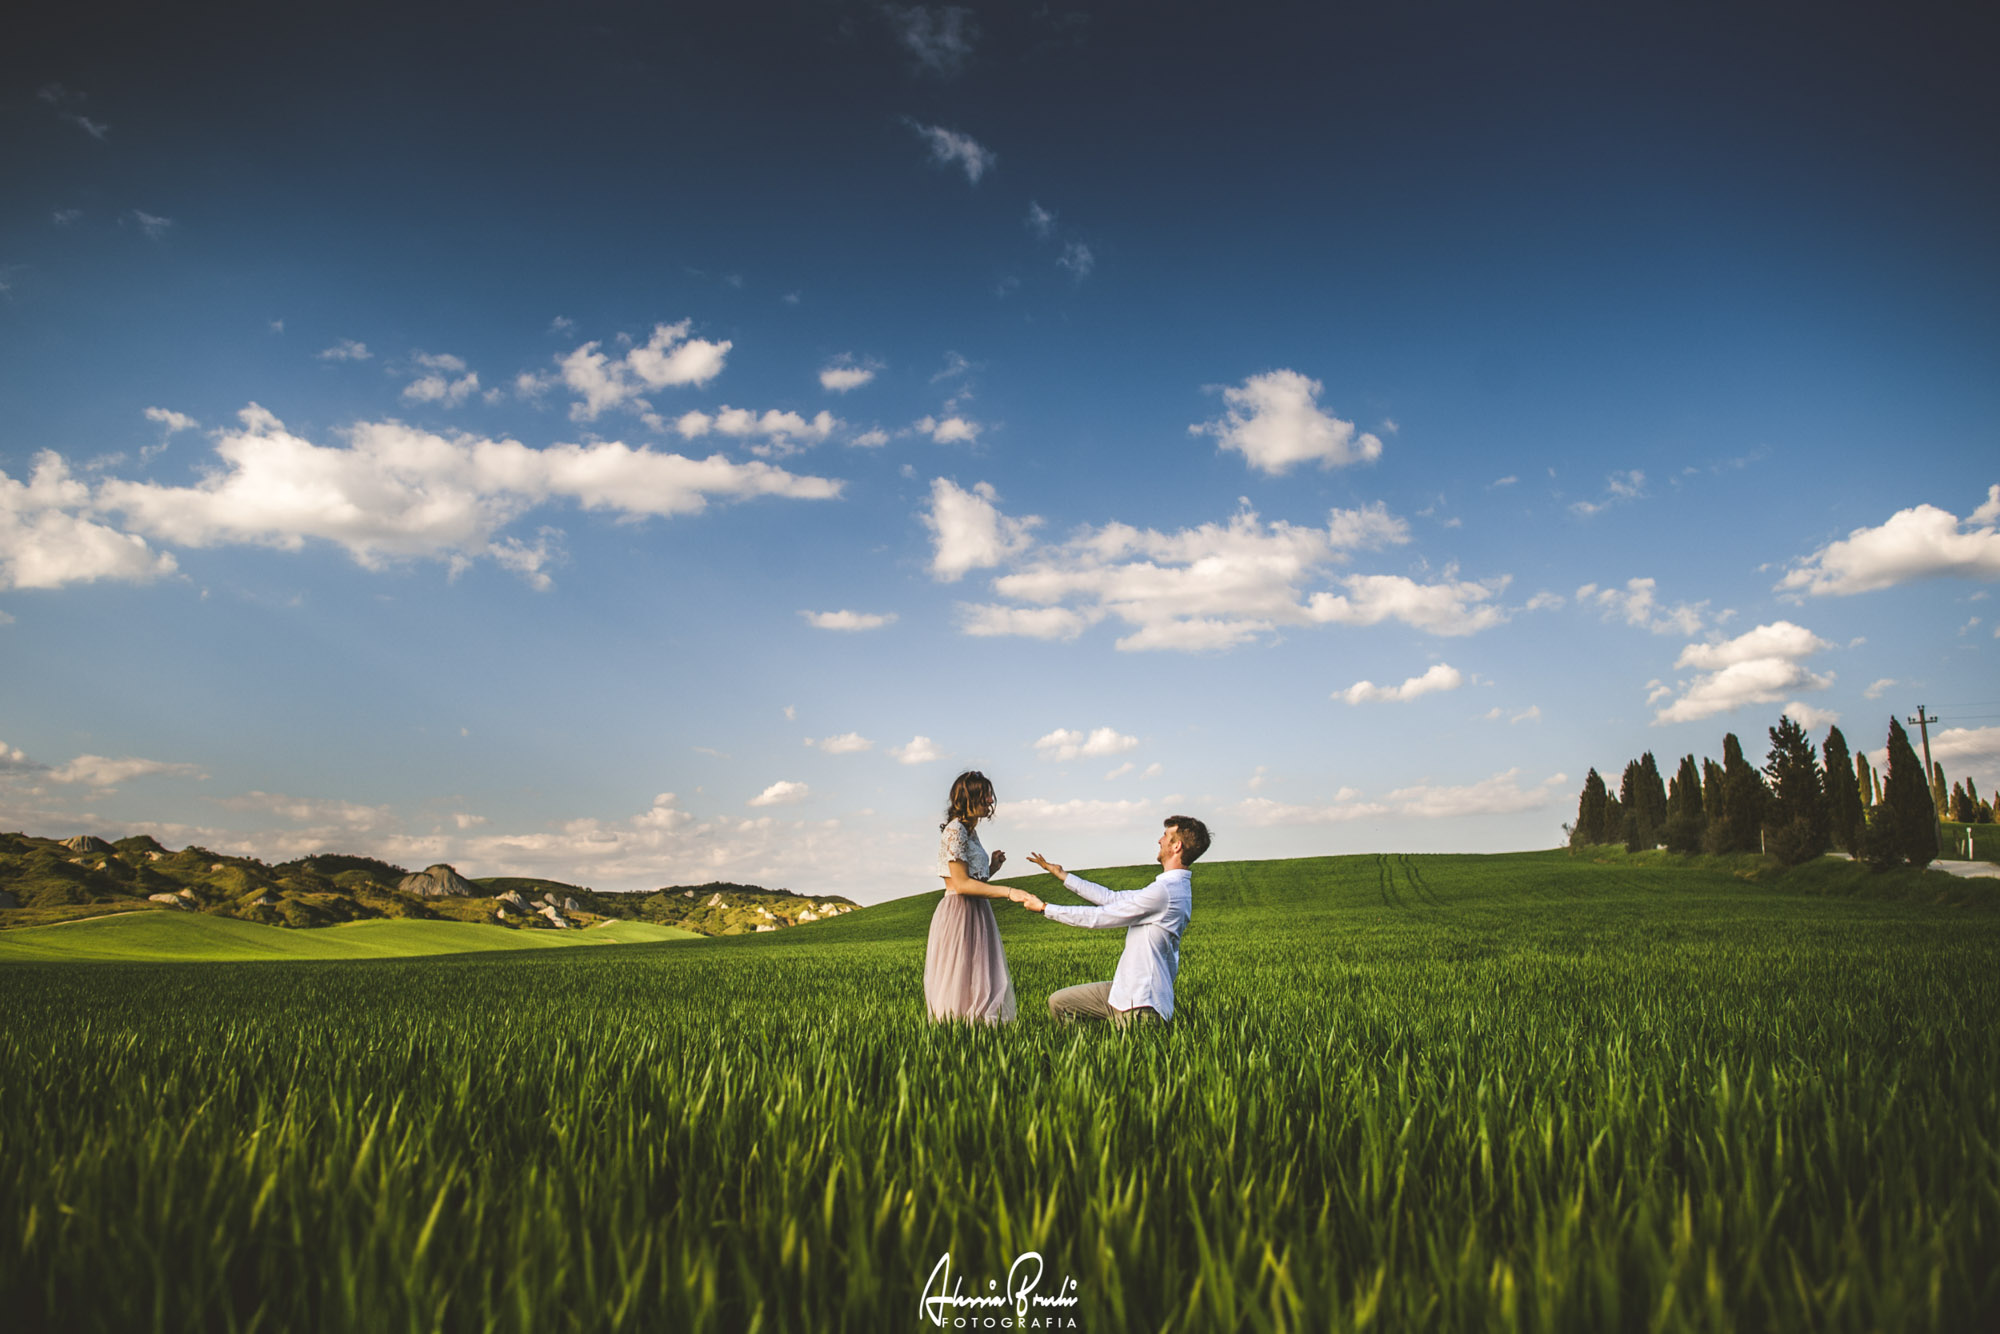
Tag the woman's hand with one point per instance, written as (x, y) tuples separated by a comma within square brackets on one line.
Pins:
[(993, 864), (1049, 866)]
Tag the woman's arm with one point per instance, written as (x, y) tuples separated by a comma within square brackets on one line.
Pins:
[(960, 881)]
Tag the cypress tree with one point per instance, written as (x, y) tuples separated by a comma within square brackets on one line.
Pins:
[(1843, 795), (1711, 788), (1589, 827), (1904, 826), (1683, 828), (1940, 803), (1864, 778), (1652, 802), (1743, 797), (1795, 819), (1632, 803)]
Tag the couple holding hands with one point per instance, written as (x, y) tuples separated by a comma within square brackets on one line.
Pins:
[(965, 970)]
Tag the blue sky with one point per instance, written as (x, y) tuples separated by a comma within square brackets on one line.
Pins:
[(641, 449)]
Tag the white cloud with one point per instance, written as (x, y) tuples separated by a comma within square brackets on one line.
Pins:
[(100, 771), (950, 148), (310, 810), (1808, 717), (1961, 744), (1077, 813), (1635, 605), (987, 620), (345, 350), (173, 421), (1502, 794), (1077, 258), (948, 431), (1218, 585), (1452, 607), (669, 358), (1875, 690), (939, 36), (1619, 486), (1274, 420), (848, 620), (394, 492), (1441, 676), (844, 374), (1040, 220), (917, 750), (48, 537), (779, 431), (439, 387), (1264, 813), (1369, 528), (870, 439), (781, 793), (969, 532), (847, 743), (63, 217), (1531, 714), (1759, 666), (68, 104), (1923, 542), (152, 224), (1065, 744)]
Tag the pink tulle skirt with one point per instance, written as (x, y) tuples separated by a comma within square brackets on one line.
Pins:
[(965, 970)]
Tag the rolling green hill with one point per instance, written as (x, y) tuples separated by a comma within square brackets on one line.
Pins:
[(44, 881), (200, 936)]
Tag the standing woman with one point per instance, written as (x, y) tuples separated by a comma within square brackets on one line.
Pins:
[(965, 970)]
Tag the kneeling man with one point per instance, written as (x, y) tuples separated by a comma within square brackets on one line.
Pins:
[(1142, 990)]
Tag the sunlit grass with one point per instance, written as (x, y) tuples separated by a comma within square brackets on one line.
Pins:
[(1402, 1093)]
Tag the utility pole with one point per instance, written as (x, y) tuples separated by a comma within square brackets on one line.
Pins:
[(1923, 720)]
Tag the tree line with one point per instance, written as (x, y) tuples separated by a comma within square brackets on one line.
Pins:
[(1800, 804)]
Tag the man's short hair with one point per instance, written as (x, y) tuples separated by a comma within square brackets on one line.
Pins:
[(1194, 837)]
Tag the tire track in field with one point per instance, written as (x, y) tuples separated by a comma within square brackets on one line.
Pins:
[(1419, 886), (1385, 879)]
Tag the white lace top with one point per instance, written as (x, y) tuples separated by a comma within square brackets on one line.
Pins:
[(960, 844)]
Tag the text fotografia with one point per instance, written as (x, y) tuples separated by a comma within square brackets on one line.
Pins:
[(948, 1305)]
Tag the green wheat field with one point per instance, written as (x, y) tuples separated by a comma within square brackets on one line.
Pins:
[(1526, 1092)]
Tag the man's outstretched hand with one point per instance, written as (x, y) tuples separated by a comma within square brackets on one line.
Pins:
[(1047, 865), (1031, 903)]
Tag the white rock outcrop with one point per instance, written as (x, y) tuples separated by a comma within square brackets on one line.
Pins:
[(437, 882), (171, 900), (554, 914)]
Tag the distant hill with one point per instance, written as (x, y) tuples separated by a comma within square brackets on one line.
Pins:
[(45, 880)]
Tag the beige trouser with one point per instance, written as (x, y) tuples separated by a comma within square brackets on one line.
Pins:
[(1092, 1000)]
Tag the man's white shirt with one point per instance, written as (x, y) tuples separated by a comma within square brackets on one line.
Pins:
[(1154, 918)]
